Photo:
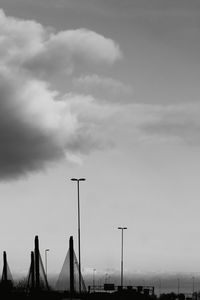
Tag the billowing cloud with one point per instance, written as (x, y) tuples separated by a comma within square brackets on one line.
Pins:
[(60, 51), (45, 118), (40, 124), (31, 46)]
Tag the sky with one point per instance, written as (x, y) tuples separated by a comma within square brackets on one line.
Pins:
[(107, 90)]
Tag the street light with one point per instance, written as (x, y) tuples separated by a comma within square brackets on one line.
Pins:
[(46, 250), (122, 229), (79, 233)]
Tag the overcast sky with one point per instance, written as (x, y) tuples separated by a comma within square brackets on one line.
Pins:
[(107, 90)]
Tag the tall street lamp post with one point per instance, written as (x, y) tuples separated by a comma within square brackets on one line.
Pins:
[(79, 233), (122, 230)]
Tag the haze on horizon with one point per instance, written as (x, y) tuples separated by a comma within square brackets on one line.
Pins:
[(106, 90)]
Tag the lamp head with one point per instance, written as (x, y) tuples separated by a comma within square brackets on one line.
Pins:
[(78, 179)]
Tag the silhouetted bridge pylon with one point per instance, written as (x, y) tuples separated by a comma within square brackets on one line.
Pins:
[(37, 278), (68, 279)]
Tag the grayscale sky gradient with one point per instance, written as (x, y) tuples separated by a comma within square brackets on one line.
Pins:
[(107, 90)]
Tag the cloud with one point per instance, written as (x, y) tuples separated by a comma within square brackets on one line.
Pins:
[(28, 129), (39, 124), (106, 88), (60, 52), (45, 53), (42, 122), (176, 123)]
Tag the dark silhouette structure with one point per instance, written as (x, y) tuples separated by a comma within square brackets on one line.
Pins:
[(32, 270), (71, 264), (68, 279), (5, 273), (6, 280), (37, 279), (36, 285), (37, 264)]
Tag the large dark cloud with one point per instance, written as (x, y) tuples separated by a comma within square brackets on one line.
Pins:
[(42, 122), (24, 144), (38, 123)]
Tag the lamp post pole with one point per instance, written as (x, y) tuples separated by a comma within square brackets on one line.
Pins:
[(79, 231), (46, 250), (122, 250)]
